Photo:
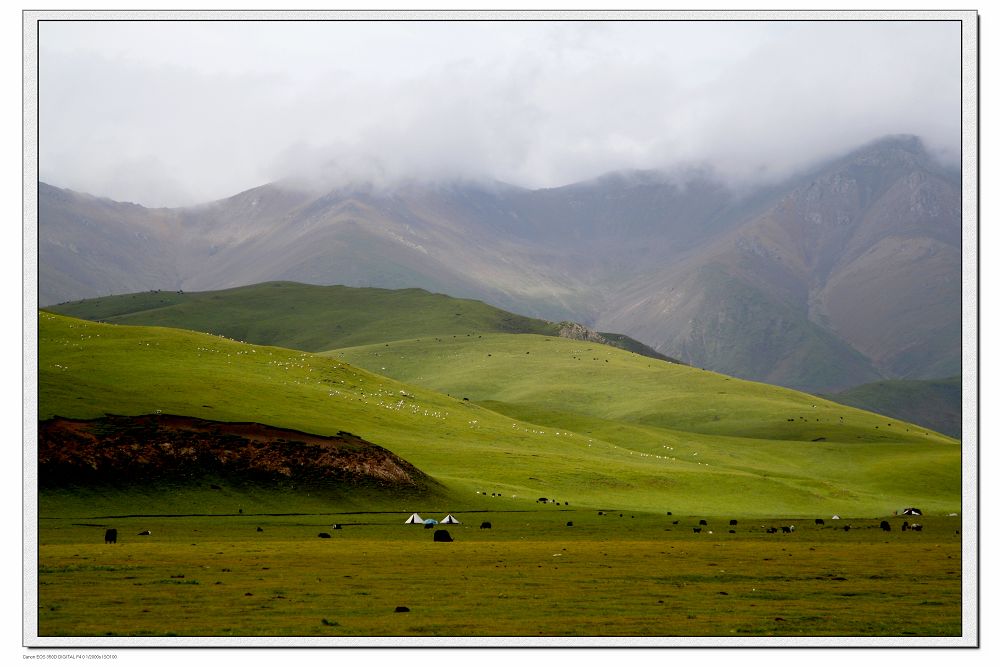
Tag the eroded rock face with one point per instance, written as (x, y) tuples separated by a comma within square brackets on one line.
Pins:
[(116, 449)]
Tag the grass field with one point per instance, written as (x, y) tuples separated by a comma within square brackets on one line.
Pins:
[(530, 576), (594, 428), (629, 432)]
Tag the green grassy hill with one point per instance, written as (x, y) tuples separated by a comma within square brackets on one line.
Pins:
[(571, 420), (936, 404), (316, 318)]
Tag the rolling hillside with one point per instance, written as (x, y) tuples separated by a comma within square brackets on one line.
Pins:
[(607, 428), (316, 318), (935, 403)]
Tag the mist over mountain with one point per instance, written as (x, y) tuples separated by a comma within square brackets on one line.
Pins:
[(845, 274)]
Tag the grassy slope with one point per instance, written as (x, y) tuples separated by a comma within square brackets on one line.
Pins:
[(626, 432), (315, 318), (306, 317), (935, 403), (720, 442)]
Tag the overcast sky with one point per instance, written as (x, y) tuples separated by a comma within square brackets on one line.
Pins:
[(176, 113)]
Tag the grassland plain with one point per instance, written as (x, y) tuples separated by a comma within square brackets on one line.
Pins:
[(627, 438), (531, 575)]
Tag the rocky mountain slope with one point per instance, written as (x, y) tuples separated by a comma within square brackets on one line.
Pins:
[(847, 274)]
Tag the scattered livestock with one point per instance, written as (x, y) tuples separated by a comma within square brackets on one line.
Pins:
[(702, 522), (325, 536), (337, 526), (918, 527), (442, 536), (820, 522), (259, 529), (145, 532), (697, 529), (485, 525), (905, 526), (569, 524), (733, 522), (111, 536), (772, 530), (786, 529), (885, 526)]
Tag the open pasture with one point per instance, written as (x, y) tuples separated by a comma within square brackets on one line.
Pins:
[(614, 574)]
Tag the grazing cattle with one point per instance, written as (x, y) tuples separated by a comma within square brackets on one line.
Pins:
[(917, 527), (259, 529), (885, 526), (732, 531), (145, 532), (542, 500), (772, 529), (847, 528), (337, 526), (733, 522), (442, 536), (111, 536), (325, 536), (786, 529), (485, 525), (401, 610), (676, 522), (702, 522), (905, 526), (569, 523), (820, 522), (696, 529)]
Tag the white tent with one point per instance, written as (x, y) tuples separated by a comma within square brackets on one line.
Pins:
[(450, 519), (414, 518)]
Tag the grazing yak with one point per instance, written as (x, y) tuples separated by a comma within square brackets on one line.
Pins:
[(145, 532), (485, 525), (442, 536), (702, 522), (733, 522), (111, 536), (697, 529), (325, 536), (820, 522), (885, 526)]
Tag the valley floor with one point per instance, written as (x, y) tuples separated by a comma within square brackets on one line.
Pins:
[(610, 574)]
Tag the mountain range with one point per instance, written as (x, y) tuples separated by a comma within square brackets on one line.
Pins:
[(846, 274)]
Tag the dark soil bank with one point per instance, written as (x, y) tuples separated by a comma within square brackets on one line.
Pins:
[(116, 449)]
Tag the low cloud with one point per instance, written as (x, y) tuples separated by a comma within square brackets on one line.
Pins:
[(534, 104)]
